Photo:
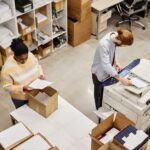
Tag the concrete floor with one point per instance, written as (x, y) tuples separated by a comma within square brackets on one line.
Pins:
[(69, 69)]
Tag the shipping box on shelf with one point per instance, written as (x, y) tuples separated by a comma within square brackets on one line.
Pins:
[(41, 15), (45, 102), (14, 135), (45, 50), (118, 121), (58, 5), (25, 24), (79, 9), (37, 141), (79, 32)]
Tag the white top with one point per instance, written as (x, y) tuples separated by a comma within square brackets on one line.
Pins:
[(13, 134), (67, 128), (101, 5), (36, 142)]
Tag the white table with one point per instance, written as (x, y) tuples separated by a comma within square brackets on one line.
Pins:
[(101, 5), (66, 128)]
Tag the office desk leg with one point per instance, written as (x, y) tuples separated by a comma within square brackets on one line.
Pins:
[(97, 32)]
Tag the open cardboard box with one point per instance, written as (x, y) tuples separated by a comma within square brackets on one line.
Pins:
[(28, 22), (45, 102), (14, 135), (44, 14), (117, 120), (34, 141), (45, 50)]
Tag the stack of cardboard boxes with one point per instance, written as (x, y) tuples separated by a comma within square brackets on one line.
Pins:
[(79, 21), (19, 137)]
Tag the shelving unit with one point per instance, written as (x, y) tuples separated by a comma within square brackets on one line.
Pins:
[(39, 26)]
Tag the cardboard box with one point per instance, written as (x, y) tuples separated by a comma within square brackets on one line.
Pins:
[(79, 32), (5, 52), (28, 22), (1, 60), (45, 50), (14, 135), (110, 146), (58, 5), (45, 102), (118, 121), (41, 21), (34, 141), (78, 10)]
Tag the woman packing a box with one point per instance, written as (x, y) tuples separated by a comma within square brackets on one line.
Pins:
[(19, 70)]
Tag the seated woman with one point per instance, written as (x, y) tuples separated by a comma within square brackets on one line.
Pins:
[(19, 71)]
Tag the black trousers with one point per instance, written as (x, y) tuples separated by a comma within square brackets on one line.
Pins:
[(19, 103), (98, 91)]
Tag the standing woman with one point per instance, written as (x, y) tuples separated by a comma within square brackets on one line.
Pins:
[(105, 64), (19, 70)]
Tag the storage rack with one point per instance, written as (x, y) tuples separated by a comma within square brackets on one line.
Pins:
[(54, 15)]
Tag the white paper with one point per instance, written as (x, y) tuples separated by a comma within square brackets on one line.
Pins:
[(13, 134), (109, 135), (142, 70), (133, 140), (139, 83), (36, 142), (40, 84)]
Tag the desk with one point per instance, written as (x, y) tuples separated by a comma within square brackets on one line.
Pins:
[(101, 5), (66, 128)]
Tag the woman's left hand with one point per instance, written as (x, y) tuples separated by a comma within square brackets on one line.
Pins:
[(42, 77)]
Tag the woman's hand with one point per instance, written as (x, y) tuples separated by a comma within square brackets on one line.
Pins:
[(42, 77), (27, 89)]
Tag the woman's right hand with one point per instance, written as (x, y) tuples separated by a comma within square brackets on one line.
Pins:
[(27, 88)]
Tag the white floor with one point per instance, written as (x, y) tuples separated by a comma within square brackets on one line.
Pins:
[(69, 69)]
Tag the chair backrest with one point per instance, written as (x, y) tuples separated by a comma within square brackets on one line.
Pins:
[(133, 6)]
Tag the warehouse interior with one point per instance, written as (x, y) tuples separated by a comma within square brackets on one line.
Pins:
[(69, 68)]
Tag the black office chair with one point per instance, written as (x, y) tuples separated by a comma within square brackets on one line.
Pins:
[(130, 10)]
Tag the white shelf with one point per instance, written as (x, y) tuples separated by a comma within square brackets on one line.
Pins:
[(63, 45), (41, 4), (58, 34), (7, 19), (44, 7)]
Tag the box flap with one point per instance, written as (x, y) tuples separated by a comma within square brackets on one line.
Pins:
[(103, 127), (122, 121)]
